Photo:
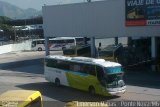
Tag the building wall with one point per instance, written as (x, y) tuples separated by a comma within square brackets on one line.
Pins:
[(5, 48), (100, 19), (15, 47)]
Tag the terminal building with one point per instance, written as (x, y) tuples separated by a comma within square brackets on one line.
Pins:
[(139, 20)]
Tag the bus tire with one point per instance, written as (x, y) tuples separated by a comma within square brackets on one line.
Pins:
[(91, 90), (39, 49), (57, 82)]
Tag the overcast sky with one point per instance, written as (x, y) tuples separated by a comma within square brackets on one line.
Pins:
[(37, 4)]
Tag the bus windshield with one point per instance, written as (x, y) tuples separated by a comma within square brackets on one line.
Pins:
[(113, 70), (113, 77), (33, 44), (114, 80)]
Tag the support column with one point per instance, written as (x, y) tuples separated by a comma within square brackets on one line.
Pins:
[(46, 46), (153, 51), (130, 42), (93, 47), (116, 40)]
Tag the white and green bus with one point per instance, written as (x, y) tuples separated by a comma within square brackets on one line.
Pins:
[(89, 74)]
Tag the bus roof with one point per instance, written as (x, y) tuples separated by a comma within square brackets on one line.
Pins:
[(37, 39), (86, 60), (59, 38), (62, 38)]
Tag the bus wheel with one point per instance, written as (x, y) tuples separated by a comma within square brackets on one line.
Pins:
[(57, 82), (39, 49), (91, 90)]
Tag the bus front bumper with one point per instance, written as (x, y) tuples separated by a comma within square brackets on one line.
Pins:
[(116, 91)]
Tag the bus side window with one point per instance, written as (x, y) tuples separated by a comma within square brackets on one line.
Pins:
[(61, 41), (51, 63), (40, 42), (53, 41), (43, 42), (35, 103), (83, 68), (63, 65), (91, 70), (100, 73), (87, 69), (80, 41), (70, 41), (75, 67)]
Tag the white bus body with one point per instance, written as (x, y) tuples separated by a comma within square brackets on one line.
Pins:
[(57, 43)]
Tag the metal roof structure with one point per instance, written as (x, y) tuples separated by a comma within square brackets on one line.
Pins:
[(21, 22)]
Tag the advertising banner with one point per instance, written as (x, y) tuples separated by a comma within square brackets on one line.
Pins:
[(142, 12)]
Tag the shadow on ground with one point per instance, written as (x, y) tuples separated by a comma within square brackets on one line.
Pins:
[(142, 78), (62, 93), (137, 77), (34, 66)]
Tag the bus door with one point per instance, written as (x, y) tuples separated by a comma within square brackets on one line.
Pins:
[(33, 44), (100, 77), (38, 45)]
